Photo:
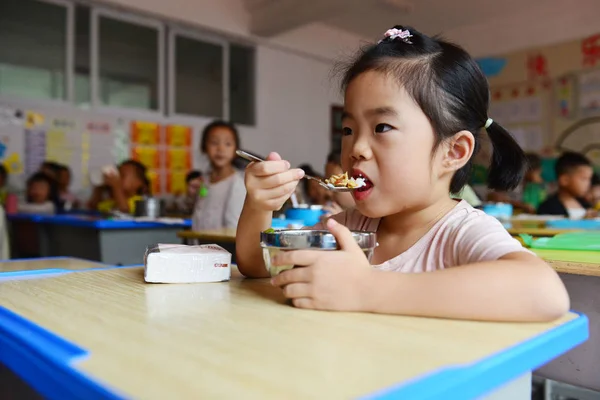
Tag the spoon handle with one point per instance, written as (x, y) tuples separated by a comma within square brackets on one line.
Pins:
[(248, 156)]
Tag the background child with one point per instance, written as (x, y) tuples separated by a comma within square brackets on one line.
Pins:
[(50, 168), (534, 192), (63, 179), (574, 174), (121, 188), (3, 184), (184, 204), (414, 110), (593, 196), (314, 194), (41, 195), (225, 191)]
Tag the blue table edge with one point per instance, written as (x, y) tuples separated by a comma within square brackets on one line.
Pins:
[(48, 272), (77, 221), (45, 361)]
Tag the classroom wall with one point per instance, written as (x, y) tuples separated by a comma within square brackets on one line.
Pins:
[(563, 82), (556, 21)]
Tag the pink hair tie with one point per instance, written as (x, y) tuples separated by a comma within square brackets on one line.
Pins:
[(395, 33)]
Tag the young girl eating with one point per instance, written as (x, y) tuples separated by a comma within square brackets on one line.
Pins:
[(415, 109), (225, 191), (121, 188)]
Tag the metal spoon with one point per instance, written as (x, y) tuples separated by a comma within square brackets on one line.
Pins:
[(251, 157)]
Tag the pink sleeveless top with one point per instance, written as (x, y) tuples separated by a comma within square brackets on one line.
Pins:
[(464, 235)]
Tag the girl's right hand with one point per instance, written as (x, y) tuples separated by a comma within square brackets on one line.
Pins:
[(270, 183)]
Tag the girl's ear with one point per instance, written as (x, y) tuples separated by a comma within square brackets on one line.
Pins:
[(458, 150)]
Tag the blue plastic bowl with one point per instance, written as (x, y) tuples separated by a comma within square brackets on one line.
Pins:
[(309, 215), (279, 223)]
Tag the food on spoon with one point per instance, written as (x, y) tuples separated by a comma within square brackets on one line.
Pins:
[(342, 180)]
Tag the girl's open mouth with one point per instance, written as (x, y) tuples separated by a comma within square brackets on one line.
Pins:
[(362, 192)]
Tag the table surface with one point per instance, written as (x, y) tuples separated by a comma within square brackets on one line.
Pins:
[(240, 339), (58, 263), (218, 235), (572, 262)]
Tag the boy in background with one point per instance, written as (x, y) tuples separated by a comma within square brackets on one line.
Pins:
[(574, 174)]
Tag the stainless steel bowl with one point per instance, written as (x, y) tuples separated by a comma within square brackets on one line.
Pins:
[(287, 240)]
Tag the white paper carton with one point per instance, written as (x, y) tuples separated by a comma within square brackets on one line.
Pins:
[(176, 263)]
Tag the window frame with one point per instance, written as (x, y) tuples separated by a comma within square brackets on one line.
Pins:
[(167, 31), (175, 31), (68, 88), (97, 12)]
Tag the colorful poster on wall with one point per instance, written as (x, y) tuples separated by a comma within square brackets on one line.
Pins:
[(58, 149), (589, 93), (33, 119), (179, 159), (179, 135), (155, 184), (149, 156), (176, 182), (565, 96), (35, 149), (147, 133)]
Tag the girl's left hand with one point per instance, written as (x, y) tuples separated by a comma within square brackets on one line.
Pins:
[(327, 280)]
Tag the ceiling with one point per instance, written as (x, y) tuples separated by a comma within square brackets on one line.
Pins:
[(483, 26)]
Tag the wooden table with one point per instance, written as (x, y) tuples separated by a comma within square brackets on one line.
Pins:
[(46, 264), (538, 232), (572, 262), (218, 235), (240, 339)]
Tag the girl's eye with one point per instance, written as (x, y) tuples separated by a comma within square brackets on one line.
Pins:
[(347, 131), (381, 128)]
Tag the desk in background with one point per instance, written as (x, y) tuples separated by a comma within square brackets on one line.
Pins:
[(122, 337), (580, 272), (115, 242)]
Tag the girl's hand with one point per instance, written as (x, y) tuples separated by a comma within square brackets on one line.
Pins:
[(270, 183), (328, 280)]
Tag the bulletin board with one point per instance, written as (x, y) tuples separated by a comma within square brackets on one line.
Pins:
[(30, 135), (88, 140), (524, 110)]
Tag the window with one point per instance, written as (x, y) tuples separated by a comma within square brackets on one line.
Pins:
[(33, 49), (128, 54), (198, 76), (92, 56), (82, 55), (241, 84)]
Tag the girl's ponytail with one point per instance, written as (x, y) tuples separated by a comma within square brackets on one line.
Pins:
[(508, 159)]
